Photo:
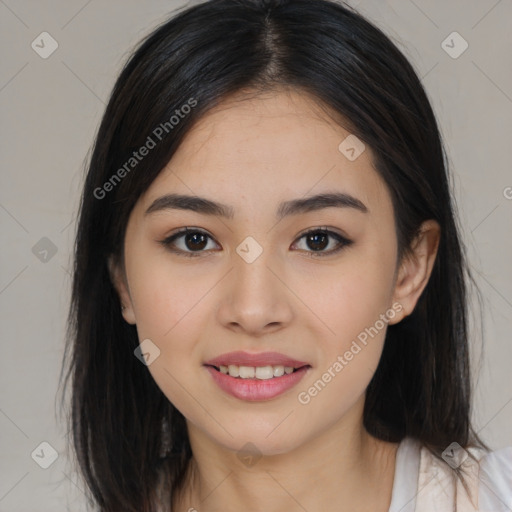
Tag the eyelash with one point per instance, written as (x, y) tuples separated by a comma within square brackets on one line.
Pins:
[(343, 242)]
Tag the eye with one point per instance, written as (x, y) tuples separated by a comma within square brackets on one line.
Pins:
[(318, 239), (194, 240)]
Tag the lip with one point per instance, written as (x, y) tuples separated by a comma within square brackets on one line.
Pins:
[(241, 358), (256, 390)]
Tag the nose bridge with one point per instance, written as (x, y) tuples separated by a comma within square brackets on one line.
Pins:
[(252, 267), (256, 296)]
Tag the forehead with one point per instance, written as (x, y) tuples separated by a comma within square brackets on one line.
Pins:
[(272, 147)]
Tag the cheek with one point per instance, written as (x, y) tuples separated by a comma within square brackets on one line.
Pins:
[(355, 304), (350, 297), (168, 312), (170, 304), (165, 296), (349, 358), (355, 310)]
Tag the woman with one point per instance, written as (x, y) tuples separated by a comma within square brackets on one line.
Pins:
[(269, 304)]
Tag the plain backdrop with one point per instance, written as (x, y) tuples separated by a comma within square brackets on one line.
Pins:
[(50, 109)]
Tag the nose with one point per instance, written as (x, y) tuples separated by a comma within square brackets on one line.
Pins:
[(256, 299)]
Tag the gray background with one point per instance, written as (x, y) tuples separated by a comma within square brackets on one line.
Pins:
[(50, 109)]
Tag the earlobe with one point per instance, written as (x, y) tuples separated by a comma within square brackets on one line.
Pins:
[(118, 279), (416, 268)]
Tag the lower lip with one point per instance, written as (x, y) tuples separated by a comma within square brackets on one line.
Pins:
[(254, 390)]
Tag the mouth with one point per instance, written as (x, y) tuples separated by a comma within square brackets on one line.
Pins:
[(256, 377)]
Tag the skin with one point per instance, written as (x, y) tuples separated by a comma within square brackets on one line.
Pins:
[(251, 155)]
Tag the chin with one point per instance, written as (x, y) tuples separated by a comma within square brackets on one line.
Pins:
[(258, 442)]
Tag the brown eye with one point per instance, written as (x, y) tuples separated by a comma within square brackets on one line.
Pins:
[(194, 241), (318, 239)]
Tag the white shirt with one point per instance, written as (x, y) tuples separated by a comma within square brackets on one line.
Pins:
[(424, 483)]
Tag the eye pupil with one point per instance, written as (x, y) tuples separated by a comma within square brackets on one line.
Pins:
[(191, 237), (313, 238)]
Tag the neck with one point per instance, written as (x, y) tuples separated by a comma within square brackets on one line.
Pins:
[(343, 468)]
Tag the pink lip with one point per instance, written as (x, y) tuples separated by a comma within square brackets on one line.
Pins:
[(256, 389), (261, 359)]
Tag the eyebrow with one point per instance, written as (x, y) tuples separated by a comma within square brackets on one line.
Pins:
[(286, 208)]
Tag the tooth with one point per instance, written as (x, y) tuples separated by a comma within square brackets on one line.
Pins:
[(264, 372), (247, 372), (233, 370), (278, 371), (251, 372)]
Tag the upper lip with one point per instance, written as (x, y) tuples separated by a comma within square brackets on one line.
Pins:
[(240, 358)]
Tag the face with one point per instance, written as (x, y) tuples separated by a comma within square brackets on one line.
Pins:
[(314, 286)]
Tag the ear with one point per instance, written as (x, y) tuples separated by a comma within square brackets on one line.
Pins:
[(415, 269), (118, 278)]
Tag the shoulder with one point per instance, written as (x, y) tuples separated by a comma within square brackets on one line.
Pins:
[(424, 482), (487, 484), (495, 480)]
